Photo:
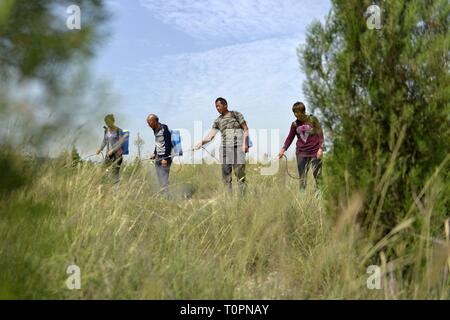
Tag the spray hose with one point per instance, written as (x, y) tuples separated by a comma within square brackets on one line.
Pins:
[(284, 156), (287, 169), (92, 155), (193, 150)]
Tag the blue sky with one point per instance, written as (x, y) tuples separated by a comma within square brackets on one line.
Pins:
[(174, 57)]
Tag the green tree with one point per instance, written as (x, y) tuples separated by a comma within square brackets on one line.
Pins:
[(76, 158), (384, 98), (39, 51), (36, 43)]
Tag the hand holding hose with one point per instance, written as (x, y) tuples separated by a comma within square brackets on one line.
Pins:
[(319, 153), (198, 146), (281, 153)]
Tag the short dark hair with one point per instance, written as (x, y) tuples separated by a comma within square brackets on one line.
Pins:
[(154, 116), (299, 106), (222, 101), (109, 117)]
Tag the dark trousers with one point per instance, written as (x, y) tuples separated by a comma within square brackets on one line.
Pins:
[(233, 159), (113, 164), (304, 164), (163, 174)]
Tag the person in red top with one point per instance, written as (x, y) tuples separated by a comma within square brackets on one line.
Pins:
[(310, 143)]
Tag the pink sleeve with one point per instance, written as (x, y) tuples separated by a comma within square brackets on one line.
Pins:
[(290, 137)]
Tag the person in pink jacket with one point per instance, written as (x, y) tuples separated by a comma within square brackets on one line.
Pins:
[(310, 143)]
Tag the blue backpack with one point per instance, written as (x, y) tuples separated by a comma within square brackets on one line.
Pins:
[(176, 143), (120, 134), (125, 145)]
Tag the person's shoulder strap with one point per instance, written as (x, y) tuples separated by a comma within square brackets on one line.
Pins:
[(233, 114), (120, 132), (166, 128)]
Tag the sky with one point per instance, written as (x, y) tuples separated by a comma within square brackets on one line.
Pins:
[(175, 57)]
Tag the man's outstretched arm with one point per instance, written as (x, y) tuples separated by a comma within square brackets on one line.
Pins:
[(208, 138)]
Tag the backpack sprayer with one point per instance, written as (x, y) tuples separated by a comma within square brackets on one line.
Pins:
[(177, 150), (121, 134)]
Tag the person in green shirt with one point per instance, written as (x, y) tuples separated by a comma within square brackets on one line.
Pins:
[(234, 145)]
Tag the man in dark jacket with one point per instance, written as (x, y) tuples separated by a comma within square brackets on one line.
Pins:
[(163, 150)]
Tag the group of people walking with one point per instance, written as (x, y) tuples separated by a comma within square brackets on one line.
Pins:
[(234, 145)]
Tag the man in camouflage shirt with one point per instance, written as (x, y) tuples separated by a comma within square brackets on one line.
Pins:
[(235, 143)]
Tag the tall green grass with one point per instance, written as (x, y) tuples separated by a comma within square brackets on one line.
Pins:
[(132, 243)]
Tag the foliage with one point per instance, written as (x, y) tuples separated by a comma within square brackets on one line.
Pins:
[(384, 99)]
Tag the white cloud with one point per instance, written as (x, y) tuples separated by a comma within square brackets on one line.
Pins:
[(261, 79), (252, 62), (244, 20)]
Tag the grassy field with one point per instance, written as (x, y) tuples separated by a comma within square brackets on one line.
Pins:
[(131, 243)]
